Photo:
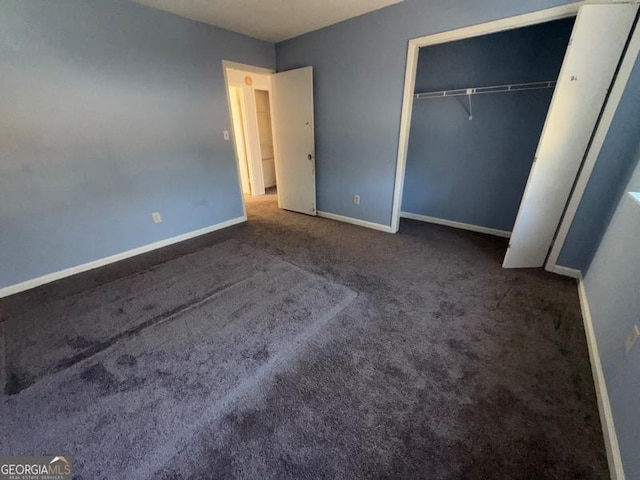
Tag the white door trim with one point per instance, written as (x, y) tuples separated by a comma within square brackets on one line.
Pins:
[(519, 21), (252, 138), (247, 68), (619, 85), (237, 130)]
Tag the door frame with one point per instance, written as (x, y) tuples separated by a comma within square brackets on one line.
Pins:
[(525, 20), (228, 64), (239, 138)]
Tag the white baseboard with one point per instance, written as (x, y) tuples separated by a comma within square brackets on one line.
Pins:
[(67, 272), (355, 221), (614, 458), (451, 223), (566, 271)]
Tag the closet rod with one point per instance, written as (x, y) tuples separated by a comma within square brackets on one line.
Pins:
[(495, 89)]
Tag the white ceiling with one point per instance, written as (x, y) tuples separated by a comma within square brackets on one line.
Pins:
[(271, 20)]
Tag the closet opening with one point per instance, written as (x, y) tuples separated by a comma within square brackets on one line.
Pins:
[(479, 108), (497, 120)]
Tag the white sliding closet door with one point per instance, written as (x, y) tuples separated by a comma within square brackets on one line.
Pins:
[(597, 42)]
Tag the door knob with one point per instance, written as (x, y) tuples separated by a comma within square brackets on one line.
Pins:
[(310, 157)]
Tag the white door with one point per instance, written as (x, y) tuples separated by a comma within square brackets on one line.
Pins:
[(597, 41), (292, 111)]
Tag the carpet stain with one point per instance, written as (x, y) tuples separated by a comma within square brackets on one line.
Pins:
[(78, 342), (261, 355), (127, 360), (462, 347), (99, 376), (448, 309), (93, 348), (249, 425), (16, 382)]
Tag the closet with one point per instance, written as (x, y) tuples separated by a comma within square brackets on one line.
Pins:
[(477, 150), (479, 109)]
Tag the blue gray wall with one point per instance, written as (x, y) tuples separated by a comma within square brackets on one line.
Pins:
[(603, 242), (608, 180), (612, 285), (110, 111), (359, 76), (475, 171)]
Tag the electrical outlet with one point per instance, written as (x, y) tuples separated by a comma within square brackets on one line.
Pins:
[(225, 134), (356, 199), (156, 217), (632, 338)]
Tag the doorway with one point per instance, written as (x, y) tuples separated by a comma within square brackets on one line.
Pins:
[(238, 117), (272, 122), (479, 108), (250, 112), (597, 43)]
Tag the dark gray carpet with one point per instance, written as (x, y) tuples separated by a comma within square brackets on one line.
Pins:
[(298, 347), (189, 349)]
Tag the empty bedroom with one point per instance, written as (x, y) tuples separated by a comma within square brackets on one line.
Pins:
[(345, 239)]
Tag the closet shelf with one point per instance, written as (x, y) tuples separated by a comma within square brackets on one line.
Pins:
[(494, 89)]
